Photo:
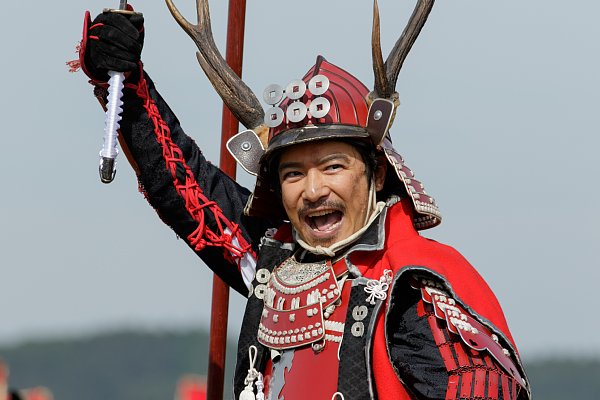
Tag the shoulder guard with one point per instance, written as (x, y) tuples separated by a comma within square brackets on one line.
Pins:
[(460, 322)]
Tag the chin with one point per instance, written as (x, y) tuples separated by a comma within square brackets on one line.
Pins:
[(323, 241)]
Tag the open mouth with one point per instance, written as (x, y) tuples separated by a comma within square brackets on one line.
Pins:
[(324, 221)]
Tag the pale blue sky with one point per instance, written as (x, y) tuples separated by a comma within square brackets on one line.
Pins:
[(499, 119)]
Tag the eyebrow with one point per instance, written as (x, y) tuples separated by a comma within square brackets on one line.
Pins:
[(326, 159)]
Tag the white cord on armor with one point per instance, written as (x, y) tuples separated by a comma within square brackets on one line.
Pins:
[(377, 289), (253, 374), (260, 385), (338, 395), (372, 201)]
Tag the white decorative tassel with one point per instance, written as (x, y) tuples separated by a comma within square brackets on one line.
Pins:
[(253, 374), (260, 385), (247, 393), (377, 289)]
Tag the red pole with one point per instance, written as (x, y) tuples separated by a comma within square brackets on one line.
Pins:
[(220, 294)]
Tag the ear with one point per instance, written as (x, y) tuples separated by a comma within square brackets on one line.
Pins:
[(380, 172)]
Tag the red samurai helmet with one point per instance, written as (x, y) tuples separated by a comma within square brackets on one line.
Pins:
[(328, 103)]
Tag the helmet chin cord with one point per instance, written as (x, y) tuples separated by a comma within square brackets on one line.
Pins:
[(374, 208)]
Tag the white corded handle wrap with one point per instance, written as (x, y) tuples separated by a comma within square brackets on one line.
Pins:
[(114, 108)]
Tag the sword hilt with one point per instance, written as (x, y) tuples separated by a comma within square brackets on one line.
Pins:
[(108, 167), (119, 11)]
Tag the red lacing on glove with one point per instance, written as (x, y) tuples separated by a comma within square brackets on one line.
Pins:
[(195, 201)]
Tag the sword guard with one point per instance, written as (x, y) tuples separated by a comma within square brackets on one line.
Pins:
[(125, 12)]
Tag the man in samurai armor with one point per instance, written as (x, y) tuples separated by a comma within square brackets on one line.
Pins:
[(346, 300)]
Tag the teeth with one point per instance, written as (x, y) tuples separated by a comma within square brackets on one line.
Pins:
[(320, 213)]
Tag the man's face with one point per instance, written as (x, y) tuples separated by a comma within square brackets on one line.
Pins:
[(325, 190)]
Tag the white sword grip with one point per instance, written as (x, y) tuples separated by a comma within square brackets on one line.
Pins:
[(114, 108)]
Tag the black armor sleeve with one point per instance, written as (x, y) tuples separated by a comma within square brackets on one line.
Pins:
[(166, 188), (436, 364)]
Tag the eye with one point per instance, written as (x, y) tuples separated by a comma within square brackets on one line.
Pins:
[(334, 167), (286, 175)]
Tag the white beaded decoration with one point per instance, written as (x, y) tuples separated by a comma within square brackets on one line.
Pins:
[(253, 374)]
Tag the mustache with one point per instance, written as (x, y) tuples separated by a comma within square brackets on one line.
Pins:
[(330, 204)]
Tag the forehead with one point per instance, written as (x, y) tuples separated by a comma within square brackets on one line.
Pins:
[(318, 150)]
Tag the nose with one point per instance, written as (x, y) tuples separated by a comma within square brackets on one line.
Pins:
[(315, 186)]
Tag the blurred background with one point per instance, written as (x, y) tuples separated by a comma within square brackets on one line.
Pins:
[(497, 120)]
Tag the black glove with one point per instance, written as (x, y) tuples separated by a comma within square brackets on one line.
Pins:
[(114, 42)]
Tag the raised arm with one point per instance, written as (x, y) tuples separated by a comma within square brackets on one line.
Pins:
[(197, 200)]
